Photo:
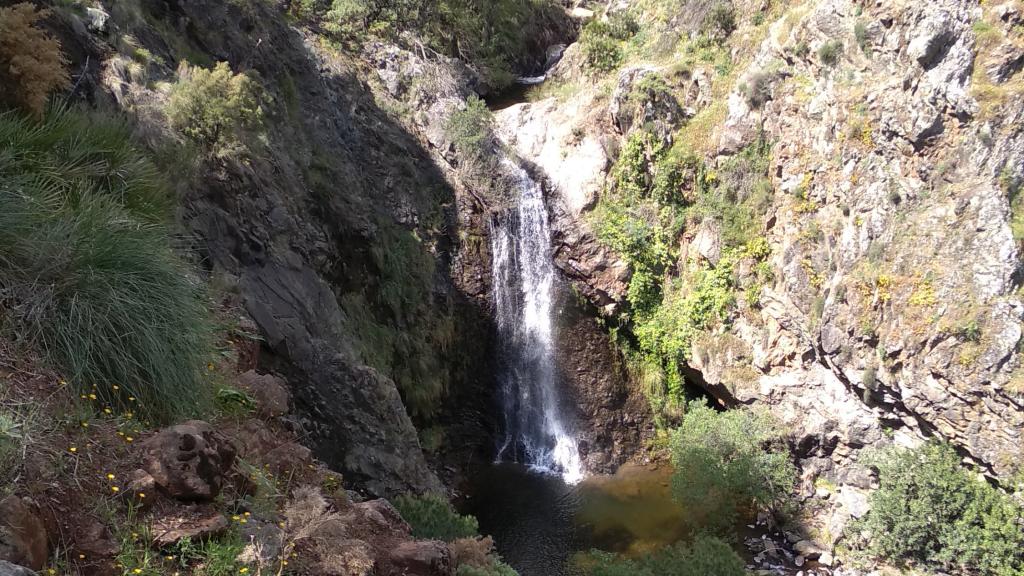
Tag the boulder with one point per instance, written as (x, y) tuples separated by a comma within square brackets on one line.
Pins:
[(8, 569), (422, 558), (381, 517), (23, 538), (931, 36), (188, 461), (264, 542), (270, 392), (170, 530)]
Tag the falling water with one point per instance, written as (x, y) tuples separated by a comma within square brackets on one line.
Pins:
[(524, 274)]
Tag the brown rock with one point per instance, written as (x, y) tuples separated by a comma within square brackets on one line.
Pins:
[(270, 392), (381, 517), (188, 461), (141, 489), (422, 558), (169, 530), (23, 537), (95, 542)]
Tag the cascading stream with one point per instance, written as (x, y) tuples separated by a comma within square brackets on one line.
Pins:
[(536, 433)]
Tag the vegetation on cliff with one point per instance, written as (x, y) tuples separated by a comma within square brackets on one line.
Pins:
[(930, 512)]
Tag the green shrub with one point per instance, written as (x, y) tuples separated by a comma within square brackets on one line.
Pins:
[(622, 25), (860, 32), (728, 462), (758, 89), (346, 19), (471, 130), (88, 276), (705, 556), (830, 51), (218, 109), (720, 21), (433, 518), (602, 52), (929, 511)]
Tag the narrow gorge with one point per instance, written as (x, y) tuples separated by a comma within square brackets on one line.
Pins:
[(534, 287)]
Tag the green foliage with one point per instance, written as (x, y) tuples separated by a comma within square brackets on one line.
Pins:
[(88, 276), (685, 312), (758, 89), (860, 32), (602, 52), (705, 556), (218, 109), (720, 21), (931, 512), (729, 462), (738, 194), (405, 331), (433, 518), (471, 131), (830, 51), (69, 154)]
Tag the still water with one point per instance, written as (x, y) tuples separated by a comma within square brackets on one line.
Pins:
[(539, 522)]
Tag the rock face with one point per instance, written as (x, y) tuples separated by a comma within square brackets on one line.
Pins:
[(188, 461), (614, 418), (894, 313), (23, 538), (270, 392), (429, 558), (307, 231)]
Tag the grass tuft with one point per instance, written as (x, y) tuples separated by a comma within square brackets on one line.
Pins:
[(88, 275)]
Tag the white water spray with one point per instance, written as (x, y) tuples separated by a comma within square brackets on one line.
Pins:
[(524, 276)]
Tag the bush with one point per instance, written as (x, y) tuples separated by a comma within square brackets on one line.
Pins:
[(88, 275), (31, 62), (860, 32), (758, 89), (830, 51), (730, 461), (433, 518), (705, 556), (471, 130), (929, 511), (216, 108), (720, 21), (622, 25), (601, 50)]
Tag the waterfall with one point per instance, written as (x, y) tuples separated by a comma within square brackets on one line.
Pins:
[(524, 275)]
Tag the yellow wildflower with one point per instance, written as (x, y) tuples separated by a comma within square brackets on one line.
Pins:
[(92, 396), (110, 476), (115, 489), (72, 449)]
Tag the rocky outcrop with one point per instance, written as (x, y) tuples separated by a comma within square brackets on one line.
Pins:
[(298, 228), (893, 314), (615, 419)]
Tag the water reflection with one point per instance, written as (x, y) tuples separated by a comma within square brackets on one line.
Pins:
[(539, 522)]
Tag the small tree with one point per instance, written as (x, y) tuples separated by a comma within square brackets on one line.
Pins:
[(217, 108), (432, 517), (728, 461), (31, 62)]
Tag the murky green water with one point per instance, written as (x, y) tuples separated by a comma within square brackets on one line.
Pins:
[(539, 522)]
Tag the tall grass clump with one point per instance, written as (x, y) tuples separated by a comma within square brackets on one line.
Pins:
[(87, 270)]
